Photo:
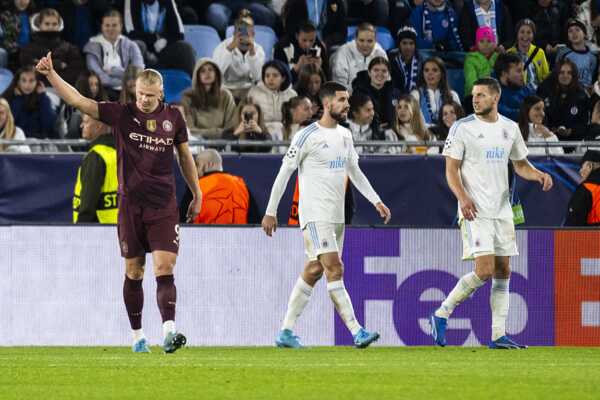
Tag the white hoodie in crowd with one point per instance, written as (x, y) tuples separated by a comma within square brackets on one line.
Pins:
[(348, 61), (240, 71)]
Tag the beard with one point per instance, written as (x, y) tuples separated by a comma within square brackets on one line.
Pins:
[(484, 111), (339, 117)]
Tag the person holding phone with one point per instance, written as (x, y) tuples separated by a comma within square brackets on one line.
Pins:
[(251, 126), (302, 48), (240, 58)]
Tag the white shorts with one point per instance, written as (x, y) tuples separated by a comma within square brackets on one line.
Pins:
[(321, 238), (486, 236)]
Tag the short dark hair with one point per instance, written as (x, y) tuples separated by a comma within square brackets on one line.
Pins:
[(504, 62), (307, 27), (491, 83), (112, 13), (365, 26), (379, 61), (328, 89)]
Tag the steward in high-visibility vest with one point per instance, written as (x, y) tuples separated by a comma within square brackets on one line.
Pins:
[(584, 206), (95, 194)]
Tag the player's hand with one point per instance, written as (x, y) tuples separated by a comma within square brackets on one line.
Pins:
[(384, 212), (468, 209), (194, 209), (546, 181), (269, 224), (44, 66)]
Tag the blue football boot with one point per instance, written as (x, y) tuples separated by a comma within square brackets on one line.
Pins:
[(364, 338), (287, 339), (141, 346), (438, 329), (505, 343)]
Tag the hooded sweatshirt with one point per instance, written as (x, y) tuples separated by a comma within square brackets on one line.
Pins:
[(210, 122), (348, 62), (66, 57), (240, 70), (270, 101)]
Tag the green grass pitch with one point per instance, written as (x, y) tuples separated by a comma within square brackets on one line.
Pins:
[(315, 373)]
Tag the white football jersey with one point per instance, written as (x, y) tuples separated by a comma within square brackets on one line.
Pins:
[(322, 156), (485, 149)]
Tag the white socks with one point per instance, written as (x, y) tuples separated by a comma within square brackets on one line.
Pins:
[(466, 285), (137, 334), (168, 327), (298, 300), (499, 299), (342, 303)]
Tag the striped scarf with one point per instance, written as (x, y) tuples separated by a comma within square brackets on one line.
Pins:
[(410, 77), (481, 20), (428, 29)]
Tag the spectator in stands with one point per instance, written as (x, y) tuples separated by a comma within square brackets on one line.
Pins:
[(156, 27), (375, 12), (433, 89), (437, 25), (15, 28), (10, 131), (531, 124), (567, 103), (549, 17), (479, 63), (271, 92), (302, 48), (208, 107), (309, 84), (405, 61), (509, 72), (47, 26), (328, 16), (535, 64), (590, 131), (95, 194), (410, 125), (82, 19), (110, 53), (588, 12), (578, 52), (127, 94), (364, 126), (449, 114), (240, 58), (89, 85), (486, 13), (297, 112), (584, 205), (221, 13), (226, 199), (355, 56), (376, 83), (249, 125), (30, 105)]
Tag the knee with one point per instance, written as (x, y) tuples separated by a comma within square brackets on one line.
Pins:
[(134, 269), (335, 272), (484, 275), (164, 267), (313, 272)]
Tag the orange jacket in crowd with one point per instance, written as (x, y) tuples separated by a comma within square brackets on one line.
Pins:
[(225, 199)]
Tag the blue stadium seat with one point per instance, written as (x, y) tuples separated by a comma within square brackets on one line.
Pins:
[(384, 36), (203, 39), (265, 36), (175, 82), (6, 78), (456, 80)]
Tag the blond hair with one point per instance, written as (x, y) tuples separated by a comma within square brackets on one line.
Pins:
[(417, 122), (150, 77), (9, 129)]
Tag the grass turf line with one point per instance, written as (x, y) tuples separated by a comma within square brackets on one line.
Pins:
[(317, 373)]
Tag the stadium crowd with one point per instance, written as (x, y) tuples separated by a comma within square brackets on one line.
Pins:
[(408, 86)]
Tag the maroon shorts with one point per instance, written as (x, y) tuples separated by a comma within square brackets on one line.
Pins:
[(146, 229)]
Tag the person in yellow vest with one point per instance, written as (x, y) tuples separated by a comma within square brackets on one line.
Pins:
[(95, 197), (226, 199), (584, 206)]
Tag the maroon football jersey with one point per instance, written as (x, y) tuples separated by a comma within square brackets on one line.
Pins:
[(144, 145)]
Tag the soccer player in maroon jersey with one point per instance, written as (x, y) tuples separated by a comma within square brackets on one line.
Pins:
[(146, 132)]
